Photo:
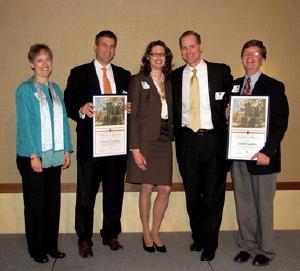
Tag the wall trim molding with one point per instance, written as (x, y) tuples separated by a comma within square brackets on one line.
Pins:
[(177, 187)]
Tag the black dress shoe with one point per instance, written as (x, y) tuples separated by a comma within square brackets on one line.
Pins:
[(85, 249), (261, 260), (113, 243), (195, 247), (160, 248), (207, 255), (57, 254), (148, 249), (41, 258), (242, 257)]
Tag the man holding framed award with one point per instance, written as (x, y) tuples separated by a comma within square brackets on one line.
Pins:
[(102, 79), (254, 179)]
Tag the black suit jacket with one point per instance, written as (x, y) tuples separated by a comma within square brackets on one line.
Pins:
[(82, 85), (219, 80), (278, 121)]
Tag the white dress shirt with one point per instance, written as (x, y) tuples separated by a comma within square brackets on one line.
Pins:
[(205, 110), (99, 73)]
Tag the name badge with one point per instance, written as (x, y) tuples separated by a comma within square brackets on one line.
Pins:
[(145, 85), (235, 89), (219, 95)]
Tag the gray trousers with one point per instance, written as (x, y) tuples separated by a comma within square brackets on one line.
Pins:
[(254, 195)]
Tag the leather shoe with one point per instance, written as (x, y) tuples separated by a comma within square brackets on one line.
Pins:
[(43, 258), (195, 247), (148, 249), (160, 248), (85, 249), (261, 260), (113, 243), (207, 255), (57, 254), (242, 257)]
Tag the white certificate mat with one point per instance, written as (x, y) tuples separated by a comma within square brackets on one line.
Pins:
[(109, 125), (248, 126)]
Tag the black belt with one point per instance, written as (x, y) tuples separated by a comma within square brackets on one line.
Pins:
[(200, 132)]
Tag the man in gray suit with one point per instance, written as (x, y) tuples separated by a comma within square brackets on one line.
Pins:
[(255, 181)]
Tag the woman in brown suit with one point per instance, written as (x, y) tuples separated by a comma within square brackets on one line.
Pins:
[(150, 138)]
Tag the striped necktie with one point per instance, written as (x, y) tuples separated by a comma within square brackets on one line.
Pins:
[(247, 87)]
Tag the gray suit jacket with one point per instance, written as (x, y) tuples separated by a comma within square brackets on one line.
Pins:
[(145, 118)]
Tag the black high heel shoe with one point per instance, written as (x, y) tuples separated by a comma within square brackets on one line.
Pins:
[(160, 248), (148, 249)]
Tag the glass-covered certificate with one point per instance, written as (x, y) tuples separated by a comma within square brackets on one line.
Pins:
[(248, 126), (110, 125)]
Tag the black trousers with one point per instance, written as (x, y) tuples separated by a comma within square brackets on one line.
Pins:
[(111, 171), (204, 179), (41, 194)]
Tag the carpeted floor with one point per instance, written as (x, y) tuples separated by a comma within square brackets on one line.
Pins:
[(14, 256)]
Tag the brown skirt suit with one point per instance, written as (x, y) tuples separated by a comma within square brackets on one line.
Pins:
[(149, 133)]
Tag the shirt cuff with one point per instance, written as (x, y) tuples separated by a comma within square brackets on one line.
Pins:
[(82, 116)]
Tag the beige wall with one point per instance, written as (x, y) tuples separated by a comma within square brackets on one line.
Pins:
[(176, 219), (69, 28)]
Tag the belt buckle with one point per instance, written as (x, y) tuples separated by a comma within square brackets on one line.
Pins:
[(200, 132)]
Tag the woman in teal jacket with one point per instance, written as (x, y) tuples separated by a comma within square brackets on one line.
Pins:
[(43, 148)]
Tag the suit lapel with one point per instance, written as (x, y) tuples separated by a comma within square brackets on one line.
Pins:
[(211, 84), (240, 82), (93, 79), (177, 92), (118, 80), (259, 85)]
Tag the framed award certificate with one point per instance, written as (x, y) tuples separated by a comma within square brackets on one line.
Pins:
[(109, 125), (248, 126)]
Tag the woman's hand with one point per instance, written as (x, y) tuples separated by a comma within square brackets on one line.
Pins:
[(36, 164), (139, 159), (67, 160), (227, 111)]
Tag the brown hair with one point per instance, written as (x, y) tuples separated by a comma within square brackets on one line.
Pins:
[(105, 33), (189, 33), (35, 49), (258, 43)]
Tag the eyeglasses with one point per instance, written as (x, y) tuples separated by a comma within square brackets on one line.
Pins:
[(253, 54), (158, 54)]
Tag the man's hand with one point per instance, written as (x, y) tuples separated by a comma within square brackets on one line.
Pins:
[(88, 109), (128, 107), (262, 159)]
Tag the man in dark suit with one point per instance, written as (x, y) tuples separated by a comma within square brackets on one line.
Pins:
[(96, 78), (201, 140), (255, 181)]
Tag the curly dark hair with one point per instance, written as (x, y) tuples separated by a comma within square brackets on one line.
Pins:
[(167, 69)]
